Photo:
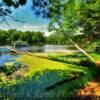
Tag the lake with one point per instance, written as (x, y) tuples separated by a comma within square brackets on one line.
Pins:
[(6, 57), (48, 48)]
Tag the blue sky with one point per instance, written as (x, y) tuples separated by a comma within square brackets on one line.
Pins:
[(32, 22)]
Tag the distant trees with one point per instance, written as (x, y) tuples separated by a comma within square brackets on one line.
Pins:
[(34, 37), (67, 16), (56, 38), (11, 36), (3, 37)]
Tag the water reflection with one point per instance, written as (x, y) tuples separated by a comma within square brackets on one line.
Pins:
[(48, 48), (6, 57), (3, 49)]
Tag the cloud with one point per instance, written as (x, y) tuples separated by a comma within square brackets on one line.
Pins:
[(27, 27), (32, 27)]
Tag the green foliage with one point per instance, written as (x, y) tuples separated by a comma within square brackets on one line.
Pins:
[(94, 45), (43, 73), (77, 14), (20, 44), (76, 59), (11, 36), (56, 38), (45, 64), (8, 69), (65, 60), (67, 17)]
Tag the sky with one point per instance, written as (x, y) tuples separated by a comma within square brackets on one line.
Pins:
[(32, 22)]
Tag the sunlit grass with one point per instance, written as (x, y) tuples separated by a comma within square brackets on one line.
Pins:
[(56, 71), (43, 72), (36, 64), (95, 55), (74, 58)]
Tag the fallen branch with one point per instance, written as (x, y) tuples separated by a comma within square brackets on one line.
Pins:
[(18, 52)]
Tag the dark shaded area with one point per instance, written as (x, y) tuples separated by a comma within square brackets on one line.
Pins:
[(76, 59), (15, 3), (56, 80), (97, 49), (61, 82)]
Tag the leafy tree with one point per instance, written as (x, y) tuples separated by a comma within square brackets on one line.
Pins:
[(11, 36), (15, 35), (67, 16), (56, 38)]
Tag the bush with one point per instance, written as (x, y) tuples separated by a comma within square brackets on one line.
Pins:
[(20, 44), (3, 68), (8, 70)]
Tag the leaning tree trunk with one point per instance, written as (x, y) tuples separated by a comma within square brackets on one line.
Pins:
[(84, 52)]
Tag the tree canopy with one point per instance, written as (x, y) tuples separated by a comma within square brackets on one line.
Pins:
[(67, 16), (11, 36), (83, 15)]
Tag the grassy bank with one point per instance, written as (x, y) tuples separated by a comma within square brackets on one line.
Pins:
[(75, 58), (39, 64), (41, 73)]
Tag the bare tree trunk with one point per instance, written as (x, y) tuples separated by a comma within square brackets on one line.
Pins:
[(84, 52)]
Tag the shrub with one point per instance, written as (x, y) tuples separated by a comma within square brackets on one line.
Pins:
[(9, 69), (20, 44)]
